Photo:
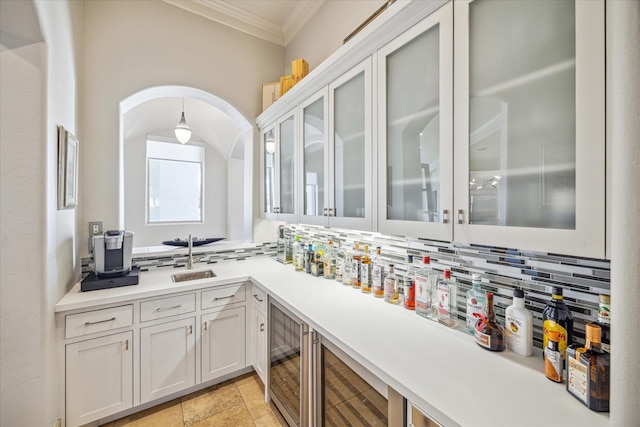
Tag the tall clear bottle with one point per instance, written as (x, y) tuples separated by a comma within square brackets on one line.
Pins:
[(378, 275), (391, 287), (330, 262), (309, 258), (447, 297), (425, 289), (366, 277), (347, 275), (298, 254), (476, 302), (340, 258), (409, 291), (355, 266)]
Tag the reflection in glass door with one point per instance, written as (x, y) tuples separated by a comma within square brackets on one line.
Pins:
[(287, 165)]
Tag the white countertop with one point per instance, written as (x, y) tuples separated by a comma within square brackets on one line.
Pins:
[(442, 371)]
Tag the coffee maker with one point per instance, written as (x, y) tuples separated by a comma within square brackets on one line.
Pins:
[(112, 253)]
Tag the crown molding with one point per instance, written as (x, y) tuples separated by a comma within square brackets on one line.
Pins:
[(226, 13)]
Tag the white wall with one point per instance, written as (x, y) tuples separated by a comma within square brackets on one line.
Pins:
[(133, 45), (39, 256)]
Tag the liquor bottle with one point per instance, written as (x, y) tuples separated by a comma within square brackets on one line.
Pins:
[(391, 287), (317, 266), (557, 317), (447, 294), (330, 262), (298, 254), (553, 357), (377, 281), (425, 289), (355, 265), (340, 257), (366, 276), (309, 259), (347, 276), (410, 285), (519, 326), (588, 371), (604, 321), (488, 333), (476, 302)]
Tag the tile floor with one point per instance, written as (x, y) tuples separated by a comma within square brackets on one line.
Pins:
[(237, 402)]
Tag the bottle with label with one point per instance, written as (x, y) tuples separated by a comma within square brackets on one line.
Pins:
[(377, 273), (391, 287), (588, 371), (476, 302), (604, 321), (347, 276), (298, 254), (557, 317), (553, 357), (309, 258), (340, 257), (519, 326), (355, 265), (488, 332), (409, 290), (317, 266), (425, 289), (366, 276), (447, 297), (330, 262)]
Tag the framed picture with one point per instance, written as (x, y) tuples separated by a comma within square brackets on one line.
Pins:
[(67, 169)]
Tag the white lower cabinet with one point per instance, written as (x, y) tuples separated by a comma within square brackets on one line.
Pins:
[(260, 343), (167, 358), (99, 377), (223, 342)]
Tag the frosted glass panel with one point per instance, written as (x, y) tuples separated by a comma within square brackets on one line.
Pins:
[(522, 113), (287, 147), (313, 122), (413, 132), (269, 171), (349, 140)]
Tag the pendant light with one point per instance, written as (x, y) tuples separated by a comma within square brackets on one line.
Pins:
[(183, 131)]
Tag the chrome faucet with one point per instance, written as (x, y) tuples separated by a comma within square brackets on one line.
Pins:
[(190, 259)]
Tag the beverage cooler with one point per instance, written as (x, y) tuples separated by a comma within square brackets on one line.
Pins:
[(314, 383)]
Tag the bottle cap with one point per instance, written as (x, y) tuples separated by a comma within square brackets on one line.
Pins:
[(489, 296), (518, 293), (556, 291), (475, 277), (410, 259), (593, 333), (554, 336), (426, 260), (447, 274), (605, 299), (366, 248)]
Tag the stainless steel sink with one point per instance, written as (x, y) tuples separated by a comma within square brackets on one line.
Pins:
[(192, 275)]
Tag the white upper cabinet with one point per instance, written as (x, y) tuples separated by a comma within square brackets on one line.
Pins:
[(336, 160), (279, 151), (529, 125), (415, 125)]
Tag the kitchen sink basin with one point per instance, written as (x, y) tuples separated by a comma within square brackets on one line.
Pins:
[(193, 275)]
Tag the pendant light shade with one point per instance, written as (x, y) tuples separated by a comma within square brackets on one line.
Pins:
[(183, 131)]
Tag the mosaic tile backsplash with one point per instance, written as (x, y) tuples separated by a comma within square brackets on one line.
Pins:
[(502, 271)]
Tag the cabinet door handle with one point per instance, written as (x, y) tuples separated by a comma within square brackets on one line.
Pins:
[(460, 216), (99, 321), (189, 330), (219, 298), (256, 297), (126, 345), (204, 326), (168, 308), (261, 327), (445, 216)]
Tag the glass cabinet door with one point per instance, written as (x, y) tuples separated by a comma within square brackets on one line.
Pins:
[(415, 129), (350, 144), (314, 129), (287, 138), (530, 147), (269, 172)]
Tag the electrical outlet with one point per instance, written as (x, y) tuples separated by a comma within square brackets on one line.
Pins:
[(95, 228)]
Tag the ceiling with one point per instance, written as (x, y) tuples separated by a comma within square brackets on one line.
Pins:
[(276, 21)]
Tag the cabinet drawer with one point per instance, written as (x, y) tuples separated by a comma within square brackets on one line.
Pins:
[(166, 307), (98, 321), (259, 298), (222, 296)]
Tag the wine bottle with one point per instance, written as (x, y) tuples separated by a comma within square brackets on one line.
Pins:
[(489, 334)]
